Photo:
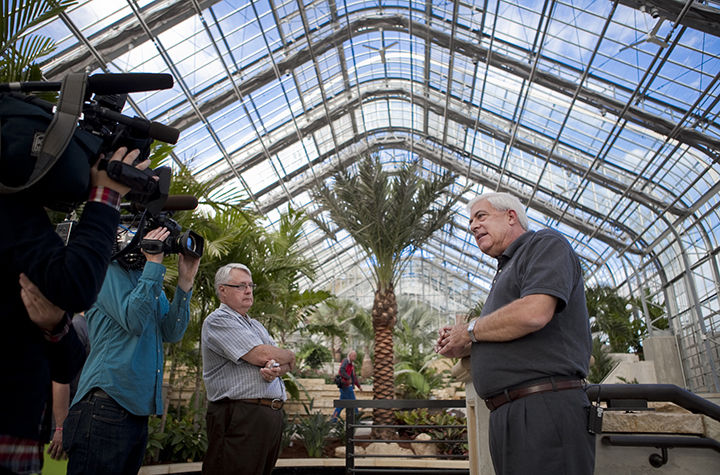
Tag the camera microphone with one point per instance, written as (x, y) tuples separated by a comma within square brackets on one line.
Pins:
[(180, 203), (101, 84), (128, 82), (155, 130)]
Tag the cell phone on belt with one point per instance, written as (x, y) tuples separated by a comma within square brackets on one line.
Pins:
[(595, 418)]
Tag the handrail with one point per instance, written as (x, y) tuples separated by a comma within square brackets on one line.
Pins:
[(661, 441), (655, 392), (350, 425)]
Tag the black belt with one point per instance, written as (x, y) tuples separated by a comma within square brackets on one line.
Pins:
[(97, 392), (509, 395), (274, 404)]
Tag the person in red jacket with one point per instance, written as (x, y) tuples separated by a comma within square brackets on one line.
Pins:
[(349, 381)]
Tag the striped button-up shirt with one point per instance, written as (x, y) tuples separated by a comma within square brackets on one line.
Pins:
[(227, 336)]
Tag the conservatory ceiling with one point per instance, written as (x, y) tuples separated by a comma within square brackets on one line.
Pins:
[(602, 116)]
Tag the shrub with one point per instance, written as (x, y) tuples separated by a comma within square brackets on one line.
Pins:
[(438, 429), (314, 429), (314, 355), (184, 438)]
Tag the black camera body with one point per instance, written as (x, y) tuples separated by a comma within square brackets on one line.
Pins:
[(186, 242), (47, 150)]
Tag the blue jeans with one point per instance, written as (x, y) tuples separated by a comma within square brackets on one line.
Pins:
[(345, 393), (101, 437)]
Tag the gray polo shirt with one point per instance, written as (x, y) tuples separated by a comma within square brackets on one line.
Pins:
[(539, 262), (227, 336)]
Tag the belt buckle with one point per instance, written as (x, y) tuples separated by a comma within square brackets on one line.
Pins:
[(276, 404)]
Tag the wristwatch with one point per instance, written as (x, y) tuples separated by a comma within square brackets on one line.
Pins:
[(471, 331)]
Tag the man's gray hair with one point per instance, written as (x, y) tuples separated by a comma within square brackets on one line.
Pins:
[(502, 202), (223, 274)]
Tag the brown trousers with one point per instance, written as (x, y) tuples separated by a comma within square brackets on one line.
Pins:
[(243, 439)]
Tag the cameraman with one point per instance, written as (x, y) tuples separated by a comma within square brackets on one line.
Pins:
[(37, 342), (120, 385)]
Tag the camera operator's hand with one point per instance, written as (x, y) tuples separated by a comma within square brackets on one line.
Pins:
[(42, 312), (101, 178), (157, 234), (187, 270)]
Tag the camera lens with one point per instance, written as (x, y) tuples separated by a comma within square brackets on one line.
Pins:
[(191, 244)]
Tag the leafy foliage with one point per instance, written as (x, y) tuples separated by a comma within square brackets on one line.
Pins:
[(183, 438), (415, 334), (18, 48), (389, 214), (618, 318), (602, 362), (314, 429), (314, 354), (334, 321), (437, 427)]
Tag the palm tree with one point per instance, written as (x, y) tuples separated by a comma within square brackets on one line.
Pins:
[(389, 215), (280, 304), (327, 320)]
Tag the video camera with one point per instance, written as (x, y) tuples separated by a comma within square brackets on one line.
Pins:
[(46, 151), (142, 220)]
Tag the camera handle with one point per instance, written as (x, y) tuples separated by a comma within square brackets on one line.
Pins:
[(58, 134)]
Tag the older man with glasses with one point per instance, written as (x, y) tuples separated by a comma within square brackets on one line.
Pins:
[(242, 369)]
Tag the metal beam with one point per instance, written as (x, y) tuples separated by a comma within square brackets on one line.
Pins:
[(706, 144), (118, 38), (496, 129), (699, 17)]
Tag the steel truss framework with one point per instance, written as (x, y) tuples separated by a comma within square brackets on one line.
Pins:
[(601, 116)]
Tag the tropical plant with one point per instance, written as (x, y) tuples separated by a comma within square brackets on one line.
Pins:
[(389, 214), (415, 335), (330, 319), (314, 427), (447, 427), (416, 331), (416, 383), (314, 430), (180, 437), (19, 48), (314, 355), (279, 263), (602, 362), (616, 318)]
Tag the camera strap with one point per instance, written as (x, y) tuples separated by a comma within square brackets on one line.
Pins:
[(61, 129)]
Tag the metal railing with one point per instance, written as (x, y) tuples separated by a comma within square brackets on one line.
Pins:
[(658, 393), (352, 424)]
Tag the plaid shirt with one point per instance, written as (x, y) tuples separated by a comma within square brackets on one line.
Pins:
[(21, 456)]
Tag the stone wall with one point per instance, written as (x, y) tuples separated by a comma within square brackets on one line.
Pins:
[(321, 395)]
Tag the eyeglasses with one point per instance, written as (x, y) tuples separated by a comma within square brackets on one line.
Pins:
[(242, 286)]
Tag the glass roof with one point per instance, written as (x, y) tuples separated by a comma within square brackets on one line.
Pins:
[(602, 116)]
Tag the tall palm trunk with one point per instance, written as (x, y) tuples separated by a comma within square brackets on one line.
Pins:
[(384, 316)]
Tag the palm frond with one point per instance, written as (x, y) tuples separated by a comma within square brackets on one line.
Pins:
[(18, 51), (389, 214)]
